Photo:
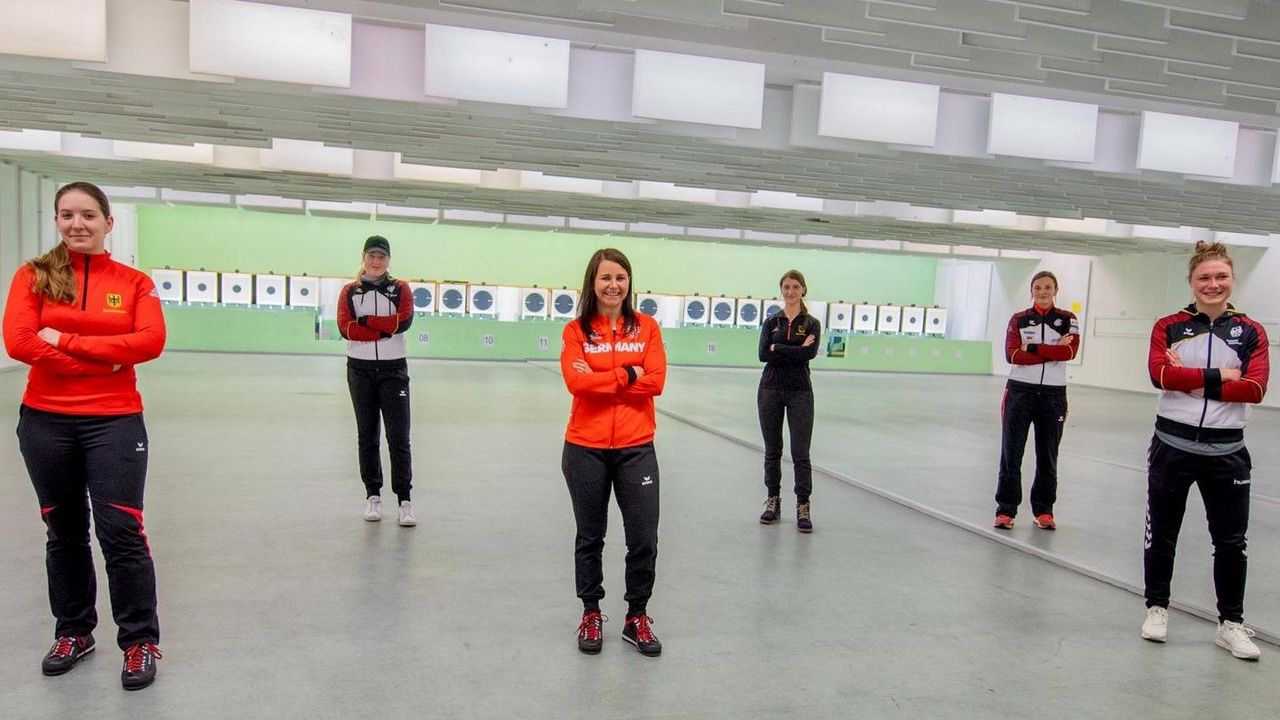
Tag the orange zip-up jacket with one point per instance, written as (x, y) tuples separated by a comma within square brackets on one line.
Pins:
[(116, 319), (610, 411)]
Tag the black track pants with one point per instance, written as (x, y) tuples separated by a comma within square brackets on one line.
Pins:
[(798, 408), (380, 395), (632, 473), (1046, 411), (79, 462), (1224, 482)]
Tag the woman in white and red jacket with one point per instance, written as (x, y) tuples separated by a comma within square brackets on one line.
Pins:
[(1038, 343), (373, 314), (1210, 362), (614, 364), (82, 321)]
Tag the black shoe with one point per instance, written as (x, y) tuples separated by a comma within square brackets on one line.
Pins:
[(67, 650), (772, 510), (637, 632), (803, 523), (139, 666), (591, 632)]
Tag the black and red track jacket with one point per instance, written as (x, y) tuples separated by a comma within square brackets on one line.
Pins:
[(1234, 340), (373, 317), (116, 319), (1044, 362)]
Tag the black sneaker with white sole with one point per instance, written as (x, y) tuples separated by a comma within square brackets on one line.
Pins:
[(638, 633), (67, 650)]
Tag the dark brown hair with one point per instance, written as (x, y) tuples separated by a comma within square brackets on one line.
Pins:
[(1045, 274), (1208, 251), (54, 277), (798, 277), (589, 305)]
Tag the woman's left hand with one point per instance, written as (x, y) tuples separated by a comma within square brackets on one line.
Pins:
[(50, 336), (581, 366), (809, 340)]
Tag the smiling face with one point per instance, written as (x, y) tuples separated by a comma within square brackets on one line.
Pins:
[(82, 224), (612, 286), (1211, 283), (376, 263), (792, 290), (1043, 291)]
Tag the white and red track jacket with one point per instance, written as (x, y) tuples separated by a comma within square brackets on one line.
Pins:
[(1234, 340), (1044, 362), (373, 317)]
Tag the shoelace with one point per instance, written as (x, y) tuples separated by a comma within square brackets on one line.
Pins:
[(1240, 628), (771, 504), (592, 626), (137, 657), (63, 647), (643, 633), (803, 511)]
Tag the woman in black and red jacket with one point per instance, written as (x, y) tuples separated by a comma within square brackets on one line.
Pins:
[(1210, 362), (1038, 343), (373, 314), (788, 341), (82, 321)]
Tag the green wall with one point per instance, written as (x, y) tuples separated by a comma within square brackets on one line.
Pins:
[(227, 239)]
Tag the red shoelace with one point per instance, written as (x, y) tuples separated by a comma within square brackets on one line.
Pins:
[(592, 626), (643, 633), (135, 656), (64, 647)]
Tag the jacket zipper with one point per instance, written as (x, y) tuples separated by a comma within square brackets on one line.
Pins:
[(613, 354), (1042, 365), (1208, 364), (84, 296)]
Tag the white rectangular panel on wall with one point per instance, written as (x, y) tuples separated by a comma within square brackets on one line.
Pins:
[(271, 42), (453, 299), (237, 288), (748, 314), (564, 304), (1040, 128), (724, 311), (840, 316), (696, 310), (935, 321), (64, 29), (424, 296), (878, 110), (816, 309), (1190, 145), (330, 293), (890, 319), (497, 67), (696, 89), (269, 290), (772, 307), (304, 291), (169, 284), (535, 303), (202, 286), (865, 318), (482, 300), (913, 320)]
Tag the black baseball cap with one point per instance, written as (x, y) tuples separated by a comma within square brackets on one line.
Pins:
[(377, 242)]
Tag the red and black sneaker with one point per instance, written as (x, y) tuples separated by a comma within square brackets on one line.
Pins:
[(638, 633), (67, 650), (1045, 521), (139, 666), (591, 632)]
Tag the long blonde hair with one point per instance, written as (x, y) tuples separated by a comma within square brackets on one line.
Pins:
[(55, 278)]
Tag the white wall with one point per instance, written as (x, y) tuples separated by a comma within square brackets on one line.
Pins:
[(21, 218), (1011, 292), (964, 288)]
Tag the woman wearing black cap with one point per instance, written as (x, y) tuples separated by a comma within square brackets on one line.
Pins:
[(373, 314)]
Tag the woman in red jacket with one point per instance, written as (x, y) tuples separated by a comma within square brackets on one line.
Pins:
[(1210, 362), (82, 321), (614, 364)]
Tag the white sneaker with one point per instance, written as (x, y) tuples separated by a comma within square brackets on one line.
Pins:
[(373, 509), (1237, 638), (1156, 627), (406, 514)]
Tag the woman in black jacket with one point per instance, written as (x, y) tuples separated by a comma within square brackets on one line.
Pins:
[(788, 341)]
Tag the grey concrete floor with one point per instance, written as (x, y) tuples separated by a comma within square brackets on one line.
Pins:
[(277, 601)]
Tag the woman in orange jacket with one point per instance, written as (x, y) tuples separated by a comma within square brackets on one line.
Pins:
[(614, 364), (82, 321)]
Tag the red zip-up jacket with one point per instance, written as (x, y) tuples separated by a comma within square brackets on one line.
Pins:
[(610, 410), (116, 319)]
